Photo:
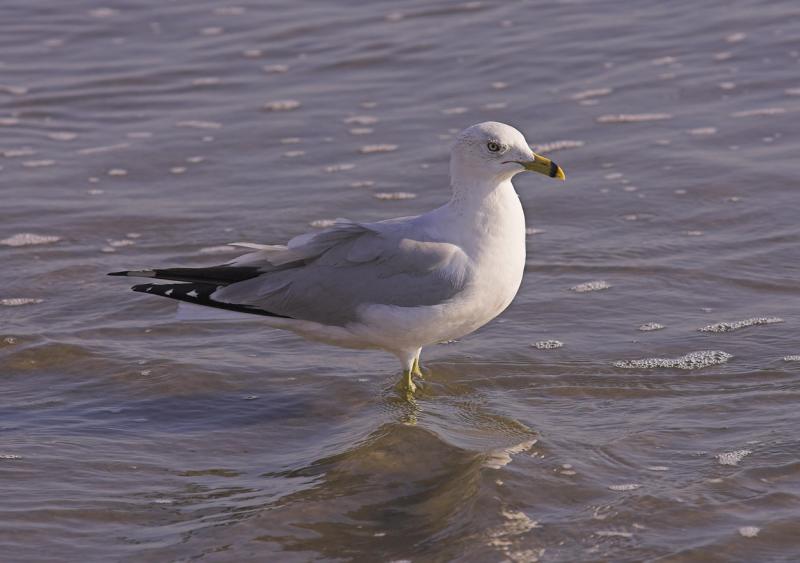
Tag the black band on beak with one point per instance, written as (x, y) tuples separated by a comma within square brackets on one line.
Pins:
[(553, 169)]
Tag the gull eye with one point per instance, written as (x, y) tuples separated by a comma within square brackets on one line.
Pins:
[(493, 147)]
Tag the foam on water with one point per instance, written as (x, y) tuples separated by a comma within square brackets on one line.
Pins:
[(282, 105), (633, 117), (339, 167), (12, 153), (368, 149), (703, 131), (361, 120), (648, 327), (19, 301), (38, 163), (275, 69), (692, 360), (596, 285), (593, 93), (625, 487), (547, 344), (749, 531), (728, 327), (759, 112), (29, 239), (197, 124), (394, 195), (62, 136), (557, 146), (323, 223), (613, 534), (502, 457), (792, 358), (732, 458)]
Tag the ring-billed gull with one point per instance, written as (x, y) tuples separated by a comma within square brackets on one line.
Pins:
[(396, 285)]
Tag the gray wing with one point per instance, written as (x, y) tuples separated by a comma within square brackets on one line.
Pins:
[(325, 277)]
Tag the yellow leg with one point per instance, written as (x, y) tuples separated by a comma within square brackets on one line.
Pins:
[(415, 370), (407, 383)]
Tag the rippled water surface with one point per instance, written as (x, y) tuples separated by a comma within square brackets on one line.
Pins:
[(139, 134)]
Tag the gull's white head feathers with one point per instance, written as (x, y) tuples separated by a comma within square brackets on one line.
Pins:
[(490, 153)]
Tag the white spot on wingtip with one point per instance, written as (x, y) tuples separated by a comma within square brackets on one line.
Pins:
[(192, 293), (168, 292)]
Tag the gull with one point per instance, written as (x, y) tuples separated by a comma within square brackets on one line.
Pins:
[(397, 285)]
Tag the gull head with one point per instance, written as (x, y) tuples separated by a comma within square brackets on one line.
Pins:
[(492, 152)]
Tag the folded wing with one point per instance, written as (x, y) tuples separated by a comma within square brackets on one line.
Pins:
[(335, 273)]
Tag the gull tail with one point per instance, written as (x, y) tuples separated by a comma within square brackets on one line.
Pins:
[(198, 294)]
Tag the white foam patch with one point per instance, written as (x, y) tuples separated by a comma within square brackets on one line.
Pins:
[(649, 327), (282, 105), (554, 146), (275, 69), (339, 167), (62, 136), (597, 285), (732, 458), (625, 487), (19, 301), (547, 344), (692, 360), (361, 120), (760, 112), (502, 457), (368, 149), (105, 148), (206, 81), (10, 456), (197, 124), (29, 239), (728, 327), (613, 534), (703, 131), (394, 195), (38, 163), (13, 153), (323, 223), (502, 537), (792, 358), (633, 117), (593, 93), (749, 531)]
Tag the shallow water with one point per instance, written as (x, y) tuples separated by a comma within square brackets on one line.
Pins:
[(148, 134)]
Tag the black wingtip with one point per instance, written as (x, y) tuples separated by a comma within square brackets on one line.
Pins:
[(125, 273), (199, 294)]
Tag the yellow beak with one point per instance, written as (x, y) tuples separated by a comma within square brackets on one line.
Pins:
[(544, 166)]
